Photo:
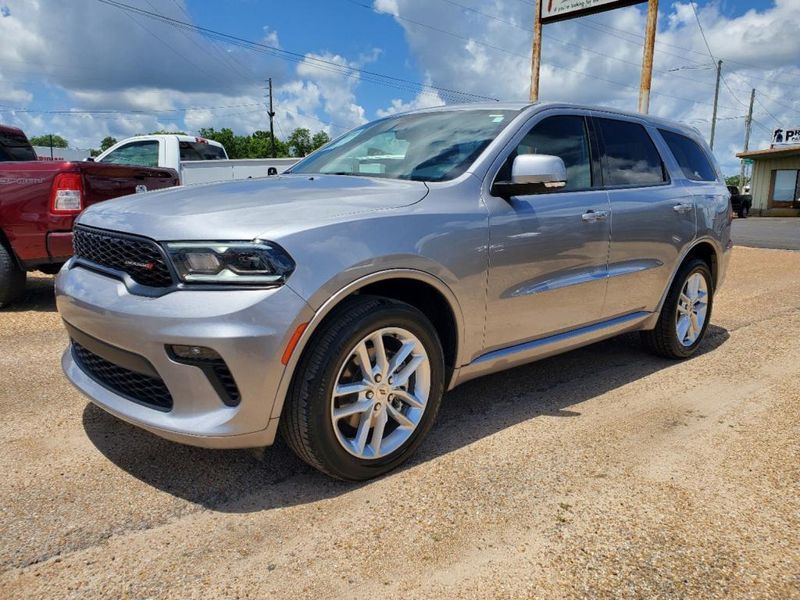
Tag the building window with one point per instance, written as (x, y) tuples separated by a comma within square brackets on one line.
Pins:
[(786, 184)]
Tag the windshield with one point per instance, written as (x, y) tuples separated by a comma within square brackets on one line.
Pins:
[(432, 146)]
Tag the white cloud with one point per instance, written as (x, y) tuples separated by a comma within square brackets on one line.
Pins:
[(593, 60)]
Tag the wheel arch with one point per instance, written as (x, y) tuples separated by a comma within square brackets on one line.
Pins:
[(422, 290), (707, 250)]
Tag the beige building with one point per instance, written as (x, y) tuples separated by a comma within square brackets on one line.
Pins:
[(775, 184)]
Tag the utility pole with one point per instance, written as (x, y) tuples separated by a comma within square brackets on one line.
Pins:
[(271, 114), (716, 98), (647, 59), (536, 53), (748, 123)]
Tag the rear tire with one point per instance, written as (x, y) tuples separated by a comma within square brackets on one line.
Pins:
[(12, 278), (685, 315), (367, 389)]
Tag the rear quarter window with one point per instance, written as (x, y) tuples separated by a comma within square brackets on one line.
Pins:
[(630, 157), (201, 151), (14, 147), (692, 159)]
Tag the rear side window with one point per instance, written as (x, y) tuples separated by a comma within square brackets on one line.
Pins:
[(201, 151), (143, 154), (630, 158), (692, 159)]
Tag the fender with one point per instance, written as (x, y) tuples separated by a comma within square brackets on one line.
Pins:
[(346, 291), (650, 323)]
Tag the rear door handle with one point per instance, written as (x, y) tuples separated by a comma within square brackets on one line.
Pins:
[(682, 208), (592, 216)]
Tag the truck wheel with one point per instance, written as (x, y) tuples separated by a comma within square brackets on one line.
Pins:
[(366, 391), (12, 278), (743, 211), (685, 315)]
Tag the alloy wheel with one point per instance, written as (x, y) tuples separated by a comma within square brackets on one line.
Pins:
[(381, 392)]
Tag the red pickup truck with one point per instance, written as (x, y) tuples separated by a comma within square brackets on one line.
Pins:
[(39, 201)]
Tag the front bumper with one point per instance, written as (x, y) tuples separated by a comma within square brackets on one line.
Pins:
[(249, 329)]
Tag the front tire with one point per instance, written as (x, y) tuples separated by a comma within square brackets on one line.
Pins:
[(12, 278), (686, 313), (366, 390)]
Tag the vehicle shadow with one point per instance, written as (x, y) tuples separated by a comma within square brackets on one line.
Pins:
[(247, 481), (39, 295)]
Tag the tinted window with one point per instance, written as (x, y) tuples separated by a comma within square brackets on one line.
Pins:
[(690, 156), (564, 137), (427, 146), (201, 151), (144, 154), (630, 156), (15, 146)]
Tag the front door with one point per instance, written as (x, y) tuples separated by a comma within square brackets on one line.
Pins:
[(548, 252)]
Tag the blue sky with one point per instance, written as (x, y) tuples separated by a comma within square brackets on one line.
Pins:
[(85, 57)]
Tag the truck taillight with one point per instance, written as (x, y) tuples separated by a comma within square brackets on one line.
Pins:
[(66, 197)]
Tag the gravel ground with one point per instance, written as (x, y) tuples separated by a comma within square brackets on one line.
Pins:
[(600, 473)]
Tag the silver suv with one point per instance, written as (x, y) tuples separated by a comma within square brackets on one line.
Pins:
[(338, 302)]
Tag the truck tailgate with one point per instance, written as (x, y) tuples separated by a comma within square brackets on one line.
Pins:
[(104, 181)]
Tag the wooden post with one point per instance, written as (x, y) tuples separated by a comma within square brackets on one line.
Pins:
[(747, 126), (714, 112), (647, 61), (536, 53)]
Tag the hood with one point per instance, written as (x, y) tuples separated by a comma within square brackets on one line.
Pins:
[(250, 208)]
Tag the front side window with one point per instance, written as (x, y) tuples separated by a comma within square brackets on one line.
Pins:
[(786, 185), (691, 158), (143, 154), (428, 146), (563, 136), (630, 157)]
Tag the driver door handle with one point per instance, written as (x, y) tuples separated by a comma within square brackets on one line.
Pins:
[(682, 208), (593, 216)]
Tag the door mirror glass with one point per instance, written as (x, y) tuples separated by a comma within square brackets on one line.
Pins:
[(533, 174)]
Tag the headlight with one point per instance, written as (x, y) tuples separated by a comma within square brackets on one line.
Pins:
[(232, 263)]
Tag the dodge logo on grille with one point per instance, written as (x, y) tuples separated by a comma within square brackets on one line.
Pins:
[(149, 266)]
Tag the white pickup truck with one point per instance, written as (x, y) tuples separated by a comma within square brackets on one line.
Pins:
[(196, 159)]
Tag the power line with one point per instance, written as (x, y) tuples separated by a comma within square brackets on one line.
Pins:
[(510, 52), (317, 62)]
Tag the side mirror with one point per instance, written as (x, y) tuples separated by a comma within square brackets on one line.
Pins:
[(89, 159), (532, 174), (271, 171)]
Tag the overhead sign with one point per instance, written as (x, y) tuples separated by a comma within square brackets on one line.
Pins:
[(558, 10), (786, 137)]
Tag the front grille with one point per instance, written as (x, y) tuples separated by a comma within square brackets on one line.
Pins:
[(140, 388), (138, 257)]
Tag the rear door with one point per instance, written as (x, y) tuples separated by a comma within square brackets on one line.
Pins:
[(548, 251), (652, 216)]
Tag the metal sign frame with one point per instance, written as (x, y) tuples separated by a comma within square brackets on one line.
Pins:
[(588, 11)]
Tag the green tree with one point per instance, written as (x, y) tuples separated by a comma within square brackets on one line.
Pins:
[(320, 139), (299, 142), (107, 142), (734, 180), (45, 140)]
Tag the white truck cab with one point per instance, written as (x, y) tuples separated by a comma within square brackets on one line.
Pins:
[(196, 159)]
